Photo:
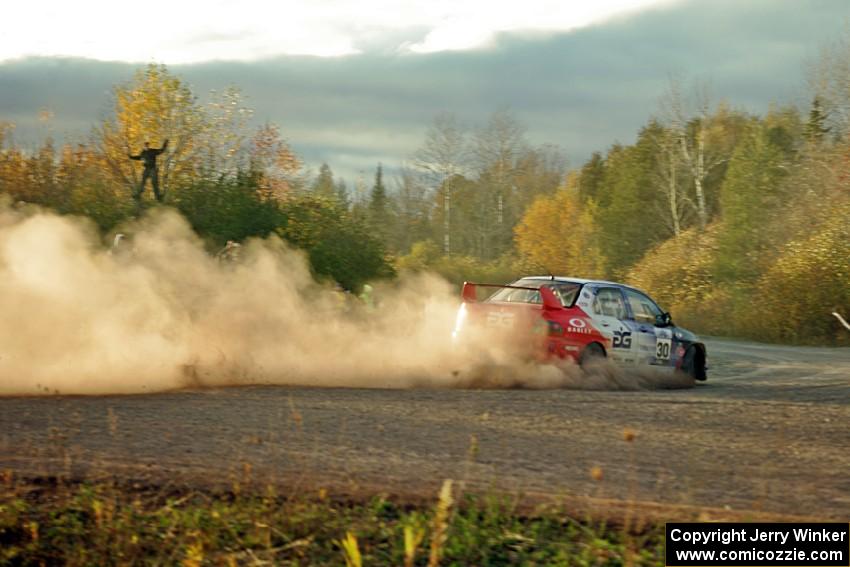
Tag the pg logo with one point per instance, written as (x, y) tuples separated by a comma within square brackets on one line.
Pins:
[(500, 319)]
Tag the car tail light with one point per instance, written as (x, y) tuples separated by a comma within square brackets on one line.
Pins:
[(459, 321)]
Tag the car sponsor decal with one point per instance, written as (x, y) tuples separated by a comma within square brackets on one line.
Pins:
[(622, 339), (500, 319), (578, 326)]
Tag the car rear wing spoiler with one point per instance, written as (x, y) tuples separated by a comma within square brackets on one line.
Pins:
[(547, 295)]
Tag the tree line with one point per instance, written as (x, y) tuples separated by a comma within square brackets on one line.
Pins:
[(230, 180), (736, 222)]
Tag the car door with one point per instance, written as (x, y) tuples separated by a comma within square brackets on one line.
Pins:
[(654, 344), (610, 316)]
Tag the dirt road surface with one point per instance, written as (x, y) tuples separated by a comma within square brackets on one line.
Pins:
[(769, 432)]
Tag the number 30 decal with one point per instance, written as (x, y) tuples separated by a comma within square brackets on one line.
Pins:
[(662, 349)]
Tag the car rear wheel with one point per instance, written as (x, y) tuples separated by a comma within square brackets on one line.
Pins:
[(693, 363), (591, 353)]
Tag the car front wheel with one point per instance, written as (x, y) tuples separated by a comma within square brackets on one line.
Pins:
[(693, 363)]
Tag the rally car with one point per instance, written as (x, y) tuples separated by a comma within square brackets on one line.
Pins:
[(578, 319)]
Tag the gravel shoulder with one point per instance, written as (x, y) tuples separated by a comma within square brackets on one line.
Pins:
[(767, 434)]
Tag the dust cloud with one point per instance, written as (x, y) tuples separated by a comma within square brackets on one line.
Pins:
[(78, 318)]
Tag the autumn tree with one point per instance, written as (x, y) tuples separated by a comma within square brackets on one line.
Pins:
[(557, 234), (87, 188), (809, 280), (273, 163), (679, 274), (224, 133), (155, 105)]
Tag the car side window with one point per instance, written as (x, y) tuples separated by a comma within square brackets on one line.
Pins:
[(644, 310), (609, 302)]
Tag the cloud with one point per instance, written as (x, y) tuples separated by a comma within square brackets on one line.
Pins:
[(582, 90), (244, 30), (472, 25)]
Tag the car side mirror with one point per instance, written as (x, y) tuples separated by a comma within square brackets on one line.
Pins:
[(663, 320)]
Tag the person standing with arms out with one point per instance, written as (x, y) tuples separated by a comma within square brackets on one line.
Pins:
[(149, 155)]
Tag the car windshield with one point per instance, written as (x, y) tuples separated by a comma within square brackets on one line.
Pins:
[(565, 291)]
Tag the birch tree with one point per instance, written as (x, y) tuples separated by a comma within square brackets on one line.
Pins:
[(498, 148), (669, 178), (690, 128), (441, 158)]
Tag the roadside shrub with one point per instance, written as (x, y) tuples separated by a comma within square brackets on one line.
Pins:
[(426, 256), (795, 299), (678, 274), (338, 246)]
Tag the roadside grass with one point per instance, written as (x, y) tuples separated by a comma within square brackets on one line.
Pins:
[(52, 521)]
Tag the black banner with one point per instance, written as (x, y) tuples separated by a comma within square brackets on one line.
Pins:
[(758, 544)]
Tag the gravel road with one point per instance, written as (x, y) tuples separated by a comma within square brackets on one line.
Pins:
[(769, 432)]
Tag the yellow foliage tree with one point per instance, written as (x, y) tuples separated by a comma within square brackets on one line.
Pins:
[(678, 274), (557, 234), (274, 161), (154, 106)]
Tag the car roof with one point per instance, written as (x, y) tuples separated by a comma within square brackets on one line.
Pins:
[(581, 281)]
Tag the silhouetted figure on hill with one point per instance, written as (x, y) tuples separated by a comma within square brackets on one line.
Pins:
[(149, 156)]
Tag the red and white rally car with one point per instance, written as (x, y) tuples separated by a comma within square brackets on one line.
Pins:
[(584, 319)]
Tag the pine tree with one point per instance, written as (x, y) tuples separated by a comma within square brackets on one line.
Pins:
[(342, 197), (324, 186), (816, 126), (378, 211)]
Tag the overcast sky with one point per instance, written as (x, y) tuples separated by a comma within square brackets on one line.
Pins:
[(357, 83)]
